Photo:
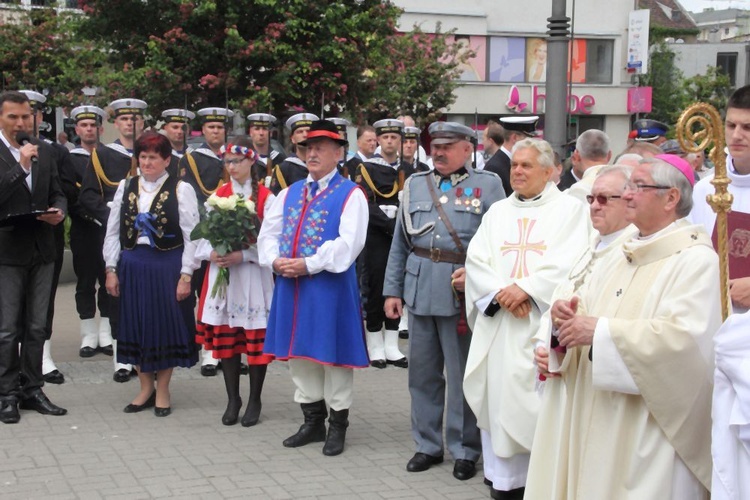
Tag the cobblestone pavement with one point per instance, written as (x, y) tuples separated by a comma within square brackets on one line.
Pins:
[(97, 451)]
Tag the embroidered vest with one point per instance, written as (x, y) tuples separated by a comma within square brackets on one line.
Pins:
[(307, 225), (165, 219)]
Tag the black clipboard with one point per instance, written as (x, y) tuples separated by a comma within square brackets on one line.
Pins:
[(24, 219)]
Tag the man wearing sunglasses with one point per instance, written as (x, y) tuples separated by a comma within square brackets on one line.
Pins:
[(636, 357)]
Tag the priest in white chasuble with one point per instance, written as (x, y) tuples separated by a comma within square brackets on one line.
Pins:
[(522, 250), (638, 340)]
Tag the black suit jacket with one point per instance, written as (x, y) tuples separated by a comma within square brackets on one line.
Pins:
[(22, 242), (566, 180), (500, 165)]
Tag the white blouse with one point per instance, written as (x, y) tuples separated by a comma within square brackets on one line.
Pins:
[(335, 256)]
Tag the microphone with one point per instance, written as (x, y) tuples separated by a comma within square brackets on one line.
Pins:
[(23, 138)]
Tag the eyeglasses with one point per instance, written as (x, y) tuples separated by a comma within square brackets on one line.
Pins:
[(235, 161), (601, 199), (641, 187)]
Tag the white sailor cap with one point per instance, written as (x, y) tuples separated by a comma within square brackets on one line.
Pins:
[(412, 132), (525, 125), (450, 132), (300, 120), (341, 124), (128, 107), (35, 98), (261, 120), (177, 115), (215, 114), (87, 112), (388, 126)]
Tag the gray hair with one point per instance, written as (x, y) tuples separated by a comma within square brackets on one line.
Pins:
[(593, 145), (665, 174), (623, 170), (545, 154), (629, 157)]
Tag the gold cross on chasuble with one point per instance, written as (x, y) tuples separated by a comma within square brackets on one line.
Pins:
[(525, 226)]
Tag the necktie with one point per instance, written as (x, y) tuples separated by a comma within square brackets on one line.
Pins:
[(313, 190)]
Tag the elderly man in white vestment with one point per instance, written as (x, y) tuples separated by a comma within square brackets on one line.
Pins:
[(638, 334), (523, 248)]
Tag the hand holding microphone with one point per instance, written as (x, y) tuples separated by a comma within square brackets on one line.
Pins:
[(29, 151)]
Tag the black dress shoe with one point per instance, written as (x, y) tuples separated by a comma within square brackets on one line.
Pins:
[(107, 350), (403, 334), (464, 469), (40, 403), (378, 363), (401, 363), (487, 482), (232, 413), (162, 412), (134, 408), (87, 352), (421, 462), (208, 370), (122, 375), (244, 369), (54, 377), (9, 411)]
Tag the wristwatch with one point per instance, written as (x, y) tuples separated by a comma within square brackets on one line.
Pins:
[(111, 269), (185, 278)]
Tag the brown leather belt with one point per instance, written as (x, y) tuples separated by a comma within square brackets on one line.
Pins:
[(438, 255)]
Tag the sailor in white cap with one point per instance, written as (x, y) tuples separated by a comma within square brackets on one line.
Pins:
[(293, 168), (382, 177), (176, 127), (259, 128), (109, 164), (86, 236), (204, 170)]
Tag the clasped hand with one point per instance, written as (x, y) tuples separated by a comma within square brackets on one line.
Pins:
[(290, 268), (515, 300), (573, 330)]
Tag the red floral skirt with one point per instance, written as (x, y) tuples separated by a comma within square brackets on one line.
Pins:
[(226, 342)]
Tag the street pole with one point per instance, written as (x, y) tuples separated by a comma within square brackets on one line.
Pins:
[(555, 106)]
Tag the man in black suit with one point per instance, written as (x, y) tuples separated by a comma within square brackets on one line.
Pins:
[(28, 183), (498, 162)]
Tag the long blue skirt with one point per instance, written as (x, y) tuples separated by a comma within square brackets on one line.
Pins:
[(156, 331)]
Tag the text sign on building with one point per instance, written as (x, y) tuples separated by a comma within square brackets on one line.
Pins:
[(638, 41), (639, 100)]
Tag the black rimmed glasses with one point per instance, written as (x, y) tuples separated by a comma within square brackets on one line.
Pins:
[(601, 199)]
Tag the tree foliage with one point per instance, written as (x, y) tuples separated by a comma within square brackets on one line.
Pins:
[(672, 92), (278, 56)]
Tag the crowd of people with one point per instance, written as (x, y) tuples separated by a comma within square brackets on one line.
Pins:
[(562, 322)]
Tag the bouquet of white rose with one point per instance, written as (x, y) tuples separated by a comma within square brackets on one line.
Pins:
[(231, 224)]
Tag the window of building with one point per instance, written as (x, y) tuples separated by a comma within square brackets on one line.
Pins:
[(727, 62)]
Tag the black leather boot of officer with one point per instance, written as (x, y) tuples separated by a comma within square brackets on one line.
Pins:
[(314, 428), (337, 424)]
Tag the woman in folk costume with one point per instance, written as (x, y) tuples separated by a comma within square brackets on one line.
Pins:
[(234, 323), (150, 260)]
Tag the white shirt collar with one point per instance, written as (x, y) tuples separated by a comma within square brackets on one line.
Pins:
[(322, 183)]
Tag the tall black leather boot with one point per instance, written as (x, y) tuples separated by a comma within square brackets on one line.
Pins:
[(314, 428), (337, 425), (252, 412), (231, 370)]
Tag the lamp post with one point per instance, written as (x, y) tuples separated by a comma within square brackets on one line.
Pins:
[(558, 36)]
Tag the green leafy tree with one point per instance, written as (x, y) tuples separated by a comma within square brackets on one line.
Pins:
[(713, 87), (267, 55), (668, 97)]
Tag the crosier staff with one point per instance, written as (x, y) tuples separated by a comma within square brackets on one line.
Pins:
[(700, 126)]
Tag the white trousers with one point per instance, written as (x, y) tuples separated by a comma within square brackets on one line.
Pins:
[(316, 382), (505, 473)]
